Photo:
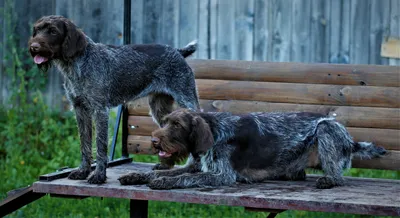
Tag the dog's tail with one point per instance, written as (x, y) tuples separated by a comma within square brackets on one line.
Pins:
[(367, 150), (189, 49)]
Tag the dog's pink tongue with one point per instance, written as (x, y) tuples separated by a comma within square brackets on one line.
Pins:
[(163, 154), (39, 59)]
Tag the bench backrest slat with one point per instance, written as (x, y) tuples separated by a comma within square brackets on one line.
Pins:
[(365, 98)]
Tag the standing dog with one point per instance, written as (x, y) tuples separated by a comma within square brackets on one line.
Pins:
[(248, 148), (98, 77)]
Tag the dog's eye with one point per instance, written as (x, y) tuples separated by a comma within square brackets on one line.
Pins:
[(176, 124), (53, 32)]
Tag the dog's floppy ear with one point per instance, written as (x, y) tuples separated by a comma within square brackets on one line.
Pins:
[(201, 136), (74, 41)]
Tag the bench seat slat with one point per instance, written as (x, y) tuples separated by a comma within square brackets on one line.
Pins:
[(370, 117), (388, 138), (299, 93), (338, 74), (141, 145), (359, 196)]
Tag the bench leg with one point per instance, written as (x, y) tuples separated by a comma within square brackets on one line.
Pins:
[(138, 208)]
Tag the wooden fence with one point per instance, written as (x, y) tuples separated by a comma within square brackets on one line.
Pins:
[(329, 31)]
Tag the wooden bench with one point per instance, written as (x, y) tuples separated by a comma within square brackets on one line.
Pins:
[(364, 98)]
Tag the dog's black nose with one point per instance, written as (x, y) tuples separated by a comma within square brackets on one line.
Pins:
[(35, 46), (155, 140)]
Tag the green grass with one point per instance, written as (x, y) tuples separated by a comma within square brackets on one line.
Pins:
[(40, 143)]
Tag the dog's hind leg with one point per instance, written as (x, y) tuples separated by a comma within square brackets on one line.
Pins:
[(334, 151), (161, 105)]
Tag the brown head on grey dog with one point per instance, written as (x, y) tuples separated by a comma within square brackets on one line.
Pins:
[(183, 133)]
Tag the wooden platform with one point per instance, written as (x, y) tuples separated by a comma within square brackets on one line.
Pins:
[(359, 196)]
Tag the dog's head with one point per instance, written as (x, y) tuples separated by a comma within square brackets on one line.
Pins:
[(184, 132), (55, 37)]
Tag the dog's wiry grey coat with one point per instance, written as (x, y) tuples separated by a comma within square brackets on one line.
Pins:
[(255, 147), (99, 76)]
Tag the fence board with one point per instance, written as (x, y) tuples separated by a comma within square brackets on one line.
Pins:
[(300, 37), (2, 62), (203, 29), (152, 21), (225, 29), (262, 34), (244, 28), (170, 23), (334, 31), (213, 31), (387, 138), (282, 31), (137, 27), (379, 27), (188, 22), (345, 33), (359, 44), (394, 25), (320, 31)]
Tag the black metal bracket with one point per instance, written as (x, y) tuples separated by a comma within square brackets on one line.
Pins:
[(18, 198)]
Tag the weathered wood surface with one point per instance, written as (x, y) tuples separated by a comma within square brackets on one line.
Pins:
[(379, 18), (391, 48), (337, 74), (299, 93), (359, 196), (391, 161), (370, 117), (388, 138)]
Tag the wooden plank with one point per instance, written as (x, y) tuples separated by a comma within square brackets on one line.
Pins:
[(203, 30), (394, 26), (152, 21), (17, 199), (391, 48), (170, 23), (299, 93), (300, 37), (137, 16), (368, 117), (320, 32), (391, 161), (244, 28), (379, 26), (188, 22), (225, 29), (359, 43), (387, 138), (339, 74), (262, 31), (282, 31), (359, 195)]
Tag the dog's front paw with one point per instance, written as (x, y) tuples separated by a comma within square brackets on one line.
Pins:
[(97, 177), (133, 179), (160, 183), (327, 182), (79, 174), (161, 166)]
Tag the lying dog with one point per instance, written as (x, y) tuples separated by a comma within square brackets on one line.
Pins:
[(98, 77), (225, 148)]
